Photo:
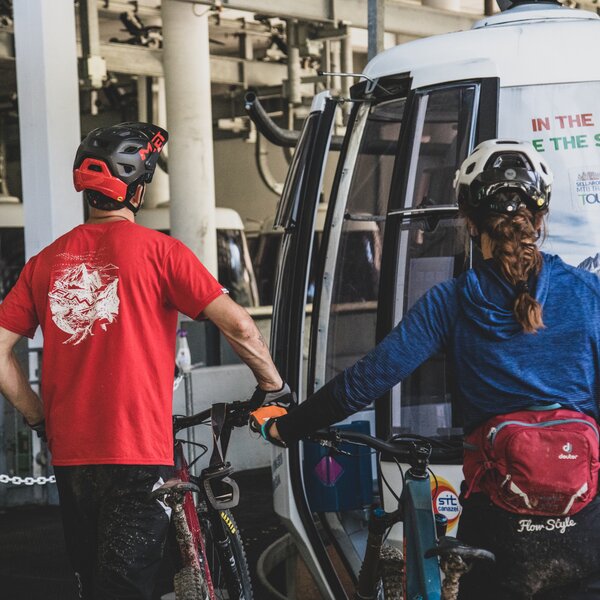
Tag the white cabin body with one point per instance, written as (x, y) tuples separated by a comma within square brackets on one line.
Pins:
[(530, 73)]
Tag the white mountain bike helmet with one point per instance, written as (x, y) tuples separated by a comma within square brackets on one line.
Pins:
[(489, 176)]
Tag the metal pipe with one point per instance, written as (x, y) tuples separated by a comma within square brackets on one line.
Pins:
[(326, 62), (90, 28), (265, 125), (158, 192), (347, 67), (376, 13), (189, 116), (262, 163), (336, 66), (190, 410), (276, 135), (293, 64), (347, 63), (94, 65)]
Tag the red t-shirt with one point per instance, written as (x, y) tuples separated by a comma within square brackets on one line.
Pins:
[(107, 298)]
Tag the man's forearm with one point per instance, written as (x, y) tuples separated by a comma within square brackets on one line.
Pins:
[(15, 387), (241, 332), (251, 347)]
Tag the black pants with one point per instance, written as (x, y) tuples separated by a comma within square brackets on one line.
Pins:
[(114, 532), (539, 558)]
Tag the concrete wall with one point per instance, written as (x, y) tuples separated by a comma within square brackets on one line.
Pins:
[(224, 384), (238, 183)]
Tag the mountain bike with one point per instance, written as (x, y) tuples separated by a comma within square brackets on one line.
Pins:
[(205, 541), (385, 574)]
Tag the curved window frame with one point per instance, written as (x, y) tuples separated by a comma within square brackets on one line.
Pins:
[(336, 216), (484, 124), (286, 215)]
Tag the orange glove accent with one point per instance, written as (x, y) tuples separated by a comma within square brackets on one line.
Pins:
[(261, 415)]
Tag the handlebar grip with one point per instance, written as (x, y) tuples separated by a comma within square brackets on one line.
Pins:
[(261, 415)]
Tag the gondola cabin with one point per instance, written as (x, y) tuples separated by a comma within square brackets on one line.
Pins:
[(529, 73)]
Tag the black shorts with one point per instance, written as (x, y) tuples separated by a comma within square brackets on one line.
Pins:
[(545, 558), (114, 532)]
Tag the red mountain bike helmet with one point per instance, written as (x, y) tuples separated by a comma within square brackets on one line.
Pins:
[(112, 161), (501, 175)]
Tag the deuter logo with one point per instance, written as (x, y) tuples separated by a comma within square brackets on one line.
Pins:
[(568, 456)]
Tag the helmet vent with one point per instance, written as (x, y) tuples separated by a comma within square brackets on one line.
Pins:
[(96, 168), (99, 143), (470, 168), (130, 150), (127, 168)]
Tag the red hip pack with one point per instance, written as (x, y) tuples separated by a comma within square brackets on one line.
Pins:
[(535, 462)]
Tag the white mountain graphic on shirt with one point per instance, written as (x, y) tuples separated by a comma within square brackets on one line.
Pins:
[(592, 263), (82, 295)]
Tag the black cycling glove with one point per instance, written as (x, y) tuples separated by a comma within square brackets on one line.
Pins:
[(281, 397), (320, 410)]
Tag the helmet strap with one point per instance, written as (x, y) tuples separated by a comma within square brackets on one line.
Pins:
[(137, 200)]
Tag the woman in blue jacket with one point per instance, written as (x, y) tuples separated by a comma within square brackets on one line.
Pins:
[(523, 330)]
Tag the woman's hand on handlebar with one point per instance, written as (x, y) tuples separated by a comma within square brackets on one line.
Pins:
[(264, 421)]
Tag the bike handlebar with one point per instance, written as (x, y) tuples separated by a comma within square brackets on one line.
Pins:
[(401, 447), (237, 415)]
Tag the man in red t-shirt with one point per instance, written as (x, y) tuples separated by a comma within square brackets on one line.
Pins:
[(107, 296)]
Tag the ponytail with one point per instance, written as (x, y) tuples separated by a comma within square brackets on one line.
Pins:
[(513, 243)]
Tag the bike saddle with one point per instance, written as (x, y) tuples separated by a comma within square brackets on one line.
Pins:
[(448, 546), (173, 487)]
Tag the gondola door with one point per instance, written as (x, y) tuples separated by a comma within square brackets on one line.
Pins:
[(297, 213)]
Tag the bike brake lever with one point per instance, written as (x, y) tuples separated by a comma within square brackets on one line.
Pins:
[(342, 452), (332, 445)]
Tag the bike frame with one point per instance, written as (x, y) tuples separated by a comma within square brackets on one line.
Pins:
[(415, 510), (215, 517), (191, 516), (422, 575)]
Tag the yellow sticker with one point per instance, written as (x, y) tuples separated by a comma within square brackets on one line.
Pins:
[(228, 522)]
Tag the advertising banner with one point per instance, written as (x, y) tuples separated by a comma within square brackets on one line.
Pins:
[(563, 124)]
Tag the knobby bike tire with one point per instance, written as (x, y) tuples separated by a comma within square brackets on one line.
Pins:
[(391, 567), (213, 557)]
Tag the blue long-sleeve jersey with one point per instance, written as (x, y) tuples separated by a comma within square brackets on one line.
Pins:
[(499, 368)]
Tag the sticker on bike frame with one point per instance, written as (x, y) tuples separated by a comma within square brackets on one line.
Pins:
[(445, 501), (228, 522)]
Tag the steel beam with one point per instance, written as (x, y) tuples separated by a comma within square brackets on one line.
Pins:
[(135, 60), (400, 17)]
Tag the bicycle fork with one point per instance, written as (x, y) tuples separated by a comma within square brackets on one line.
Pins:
[(368, 578), (218, 521)]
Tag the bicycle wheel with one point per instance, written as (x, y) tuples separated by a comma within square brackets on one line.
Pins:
[(227, 585), (391, 569)]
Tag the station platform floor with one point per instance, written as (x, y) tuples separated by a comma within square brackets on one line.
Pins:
[(34, 566)]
